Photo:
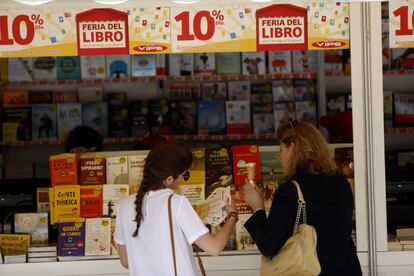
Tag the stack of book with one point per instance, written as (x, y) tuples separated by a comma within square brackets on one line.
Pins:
[(42, 253), (15, 259), (406, 238)]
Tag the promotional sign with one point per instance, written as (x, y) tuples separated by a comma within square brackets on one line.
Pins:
[(102, 31), (149, 30), (213, 29), (328, 25), (401, 20), (37, 32), (282, 27)]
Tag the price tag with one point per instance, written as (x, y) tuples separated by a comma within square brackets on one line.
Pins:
[(37, 32), (401, 20), (213, 29)]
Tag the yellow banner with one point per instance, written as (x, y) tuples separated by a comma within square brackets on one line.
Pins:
[(13, 244)]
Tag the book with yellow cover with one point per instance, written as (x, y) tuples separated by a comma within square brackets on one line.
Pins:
[(197, 170), (51, 192), (14, 244), (66, 202)]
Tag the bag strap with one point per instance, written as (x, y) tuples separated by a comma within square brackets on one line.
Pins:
[(172, 233), (200, 263), (301, 207)]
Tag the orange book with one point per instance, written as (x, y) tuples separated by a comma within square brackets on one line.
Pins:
[(63, 169), (91, 201), (15, 98)]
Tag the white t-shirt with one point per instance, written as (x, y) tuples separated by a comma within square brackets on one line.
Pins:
[(150, 252)]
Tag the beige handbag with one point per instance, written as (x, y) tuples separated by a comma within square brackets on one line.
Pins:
[(298, 256)]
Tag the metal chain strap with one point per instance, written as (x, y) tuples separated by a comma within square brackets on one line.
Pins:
[(304, 213), (295, 229)]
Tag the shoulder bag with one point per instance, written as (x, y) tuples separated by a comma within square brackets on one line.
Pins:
[(298, 255), (200, 263)]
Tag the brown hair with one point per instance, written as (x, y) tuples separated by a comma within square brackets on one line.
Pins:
[(310, 154), (166, 159)]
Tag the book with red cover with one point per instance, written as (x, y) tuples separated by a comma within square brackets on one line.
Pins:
[(63, 169), (15, 98), (92, 170), (91, 201), (243, 154)]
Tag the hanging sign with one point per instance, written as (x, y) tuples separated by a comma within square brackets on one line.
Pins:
[(401, 23), (102, 32), (328, 25), (213, 29), (149, 30), (282, 27), (37, 32)]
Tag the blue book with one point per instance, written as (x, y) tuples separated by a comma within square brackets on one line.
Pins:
[(71, 238), (211, 117), (44, 122), (68, 68), (95, 115)]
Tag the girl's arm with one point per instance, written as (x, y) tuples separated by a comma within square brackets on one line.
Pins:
[(123, 257)]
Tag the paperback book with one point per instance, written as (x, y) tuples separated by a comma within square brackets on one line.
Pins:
[(68, 68), (143, 65), (44, 122), (98, 236), (118, 66), (69, 115), (45, 68), (95, 115), (211, 117), (71, 238)]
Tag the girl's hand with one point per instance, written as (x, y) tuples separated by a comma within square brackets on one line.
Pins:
[(253, 196)]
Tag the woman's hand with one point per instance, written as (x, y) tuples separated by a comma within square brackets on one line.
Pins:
[(253, 196)]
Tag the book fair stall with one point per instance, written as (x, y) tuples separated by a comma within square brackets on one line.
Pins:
[(221, 76)]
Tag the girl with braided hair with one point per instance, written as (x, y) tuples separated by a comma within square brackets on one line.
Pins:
[(142, 227)]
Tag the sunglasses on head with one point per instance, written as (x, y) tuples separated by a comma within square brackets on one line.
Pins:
[(186, 175)]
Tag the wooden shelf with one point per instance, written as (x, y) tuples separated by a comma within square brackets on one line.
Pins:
[(163, 78), (399, 130), (117, 140)]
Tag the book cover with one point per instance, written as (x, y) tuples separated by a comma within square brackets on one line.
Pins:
[(52, 205), (65, 97), (118, 121), (282, 90), (117, 170), (213, 91), (183, 117), (181, 64), (69, 115), (93, 67), (388, 105), (333, 62), (211, 117), (195, 193), (68, 68), (160, 116), (219, 169), (92, 169), (71, 238), (228, 63), (279, 62), (261, 92), (42, 199), (95, 115), (272, 174), (402, 59), (243, 155), (116, 99), (40, 97), (15, 98), (161, 60), (135, 171), (98, 236), (243, 239), (304, 90), (20, 69), (14, 244), (112, 195), (335, 103), (35, 224), (91, 198), (205, 64), (183, 91), (17, 124), (139, 118), (63, 169), (44, 122), (238, 90), (143, 65), (45, 68), (306, 111), (118, 66), (283, 113), (254, 63), (263, 122), (403, 109), (66, 202), (304, 61), (90, 94), (238, 117), (197, 169)]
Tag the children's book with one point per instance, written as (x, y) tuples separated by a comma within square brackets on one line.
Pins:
[(254, 63), (279, 62)]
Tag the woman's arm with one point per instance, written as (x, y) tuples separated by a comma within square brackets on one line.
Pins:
[(213, 245), (123, 257)]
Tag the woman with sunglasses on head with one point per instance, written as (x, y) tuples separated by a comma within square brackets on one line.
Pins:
[(307, 159), (143, 228)]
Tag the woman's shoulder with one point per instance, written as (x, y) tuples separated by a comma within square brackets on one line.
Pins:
[(288, 190)]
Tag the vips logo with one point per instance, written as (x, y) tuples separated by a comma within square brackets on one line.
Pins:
[(150, 48), (329, 44)]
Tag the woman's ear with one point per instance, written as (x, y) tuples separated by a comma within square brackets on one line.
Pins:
[(169, 181)]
